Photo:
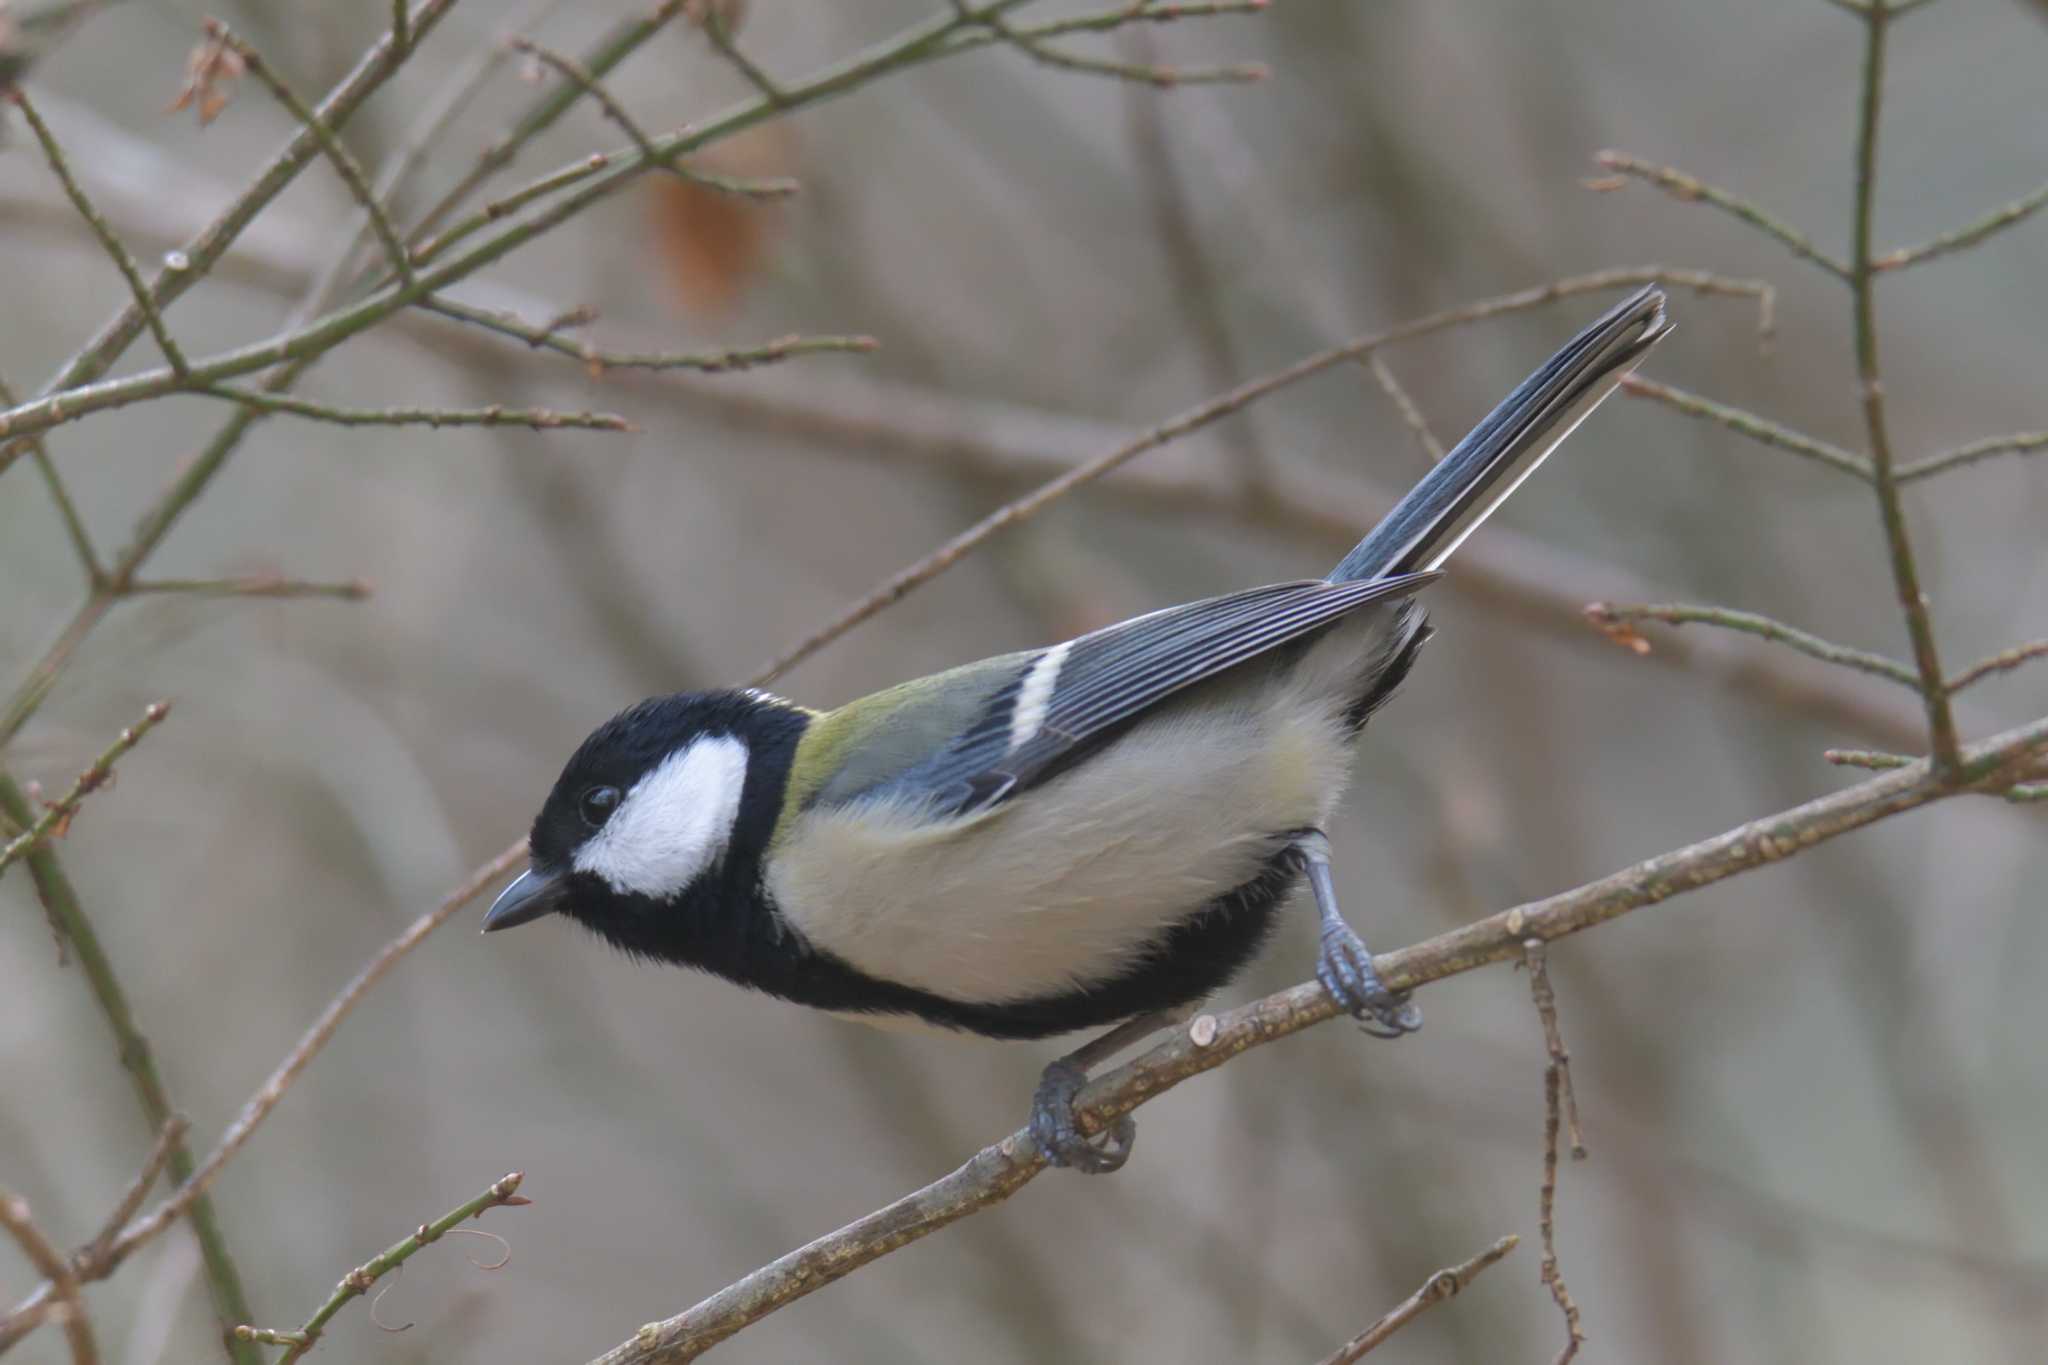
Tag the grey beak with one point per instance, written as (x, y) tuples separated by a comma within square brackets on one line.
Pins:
[(530, 896)]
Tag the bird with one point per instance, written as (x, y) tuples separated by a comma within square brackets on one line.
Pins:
[(1098, 833)]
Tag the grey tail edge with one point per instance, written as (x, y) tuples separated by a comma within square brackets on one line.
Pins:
[(1490, 463)]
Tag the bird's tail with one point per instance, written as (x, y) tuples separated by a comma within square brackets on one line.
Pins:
[(1505, 449)]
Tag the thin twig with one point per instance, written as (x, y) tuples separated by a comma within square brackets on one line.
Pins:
[(401, 27), (898, 585), (254, 585), (998, 1171), (1169, 12), (598, 361), (167, 1139), (1759, 429), (1560, 1110), (70, 1304), (1438, 1287), (1612, 617), (2020, 443), (193, 1184), (358, 1281), (190, 264), (1411, 412), (67, 510), (2003, 661), (622, 41), (1164, 77), (109, 240), (574, 71), (721, 38), (1873, 759), (1963, 238), (60, 902), (344, 162), (56, 816), (1682, 186), (1941, 721), (539, 419)]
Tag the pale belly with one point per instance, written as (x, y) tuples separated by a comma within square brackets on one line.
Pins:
[(1070, 885)]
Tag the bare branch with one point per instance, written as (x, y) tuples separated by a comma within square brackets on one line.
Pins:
[(1941, 721), (598, 361), (109, 240), (621, 42), (60, 902), (67, 510), (1963, 238), (345, 164), (1759, 429), (358, 1281), (253, 585), (998, 1171), (539, 419), (716, 30), (1438, 1287), (1560, 1110), (1411, 414), (2001, 662), (900, 584), (70, 1305), (1679, 185), (1611, 617), (2021, 443), (575, 72), (167, 1139), (56, 817), (191, 1191)]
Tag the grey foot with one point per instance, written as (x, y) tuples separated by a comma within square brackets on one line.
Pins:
[(1061, 1139), (1345, 969)]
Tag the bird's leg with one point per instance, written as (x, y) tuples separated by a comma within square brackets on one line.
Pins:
[(1344, 964), (1053, 1126)]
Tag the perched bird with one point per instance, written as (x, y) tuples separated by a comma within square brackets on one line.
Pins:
[(1100, 832)]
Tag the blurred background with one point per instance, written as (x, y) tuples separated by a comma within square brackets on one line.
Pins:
[(1815, 1096)]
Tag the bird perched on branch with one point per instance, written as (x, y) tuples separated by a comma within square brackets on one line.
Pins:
[(1100, 832)]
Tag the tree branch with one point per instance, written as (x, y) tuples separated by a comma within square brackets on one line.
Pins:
[(357, 1282), (1443, 1285), (998, 1171), (1941, 722), (900, 584), (1679, 185), (1612, 617), (1759, 429), (70, 1304), (56, 816)]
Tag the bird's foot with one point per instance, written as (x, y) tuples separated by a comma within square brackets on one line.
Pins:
[(1344, 966), (1060, 1138)]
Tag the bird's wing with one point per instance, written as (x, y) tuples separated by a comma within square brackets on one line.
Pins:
[(1063, 701)]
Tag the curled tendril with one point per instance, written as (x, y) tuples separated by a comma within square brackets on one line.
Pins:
[(397, 1274), (503, 1246)]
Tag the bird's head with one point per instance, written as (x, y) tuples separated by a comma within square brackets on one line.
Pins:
[(660, 804)]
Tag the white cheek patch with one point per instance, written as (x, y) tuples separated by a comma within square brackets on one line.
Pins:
[(675, 822)]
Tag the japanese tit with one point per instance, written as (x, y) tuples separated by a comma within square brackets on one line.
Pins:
[(1098, 832)]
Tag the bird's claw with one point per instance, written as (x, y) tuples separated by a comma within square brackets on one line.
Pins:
[(1060, 1138), (1345, 969)]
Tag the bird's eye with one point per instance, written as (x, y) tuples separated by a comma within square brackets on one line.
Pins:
[(597, 804)]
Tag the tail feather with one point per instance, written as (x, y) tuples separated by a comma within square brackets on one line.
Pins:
[(1491, 462)]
